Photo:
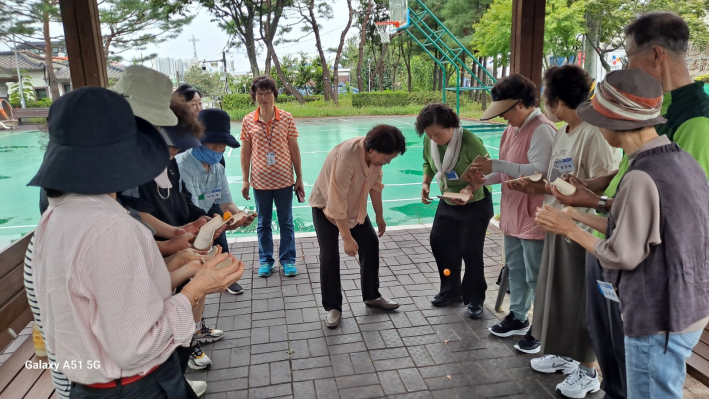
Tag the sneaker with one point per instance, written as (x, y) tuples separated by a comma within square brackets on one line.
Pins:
[(265, 270), (198, 359), (579, 384), (235, 289), (289, 270), (510, 326), (554, 364), (206, 334), (199, 387), (528, 344)]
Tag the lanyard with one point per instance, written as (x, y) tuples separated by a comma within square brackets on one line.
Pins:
[(268, 137)]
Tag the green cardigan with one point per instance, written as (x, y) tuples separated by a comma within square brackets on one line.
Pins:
[(470, 147)]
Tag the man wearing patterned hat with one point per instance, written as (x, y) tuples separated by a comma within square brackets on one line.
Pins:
[(654, 265), (657, 44)]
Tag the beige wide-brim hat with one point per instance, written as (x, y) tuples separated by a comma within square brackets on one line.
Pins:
[(498, 108), (148, 92)]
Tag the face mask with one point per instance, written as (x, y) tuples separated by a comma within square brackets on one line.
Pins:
[(204, 154), (550, 116), (163, 181)]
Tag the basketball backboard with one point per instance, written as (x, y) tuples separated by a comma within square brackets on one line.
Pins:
[(398, 12)]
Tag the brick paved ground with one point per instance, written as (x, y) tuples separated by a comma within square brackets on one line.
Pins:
[(401, 354), (276, 344)]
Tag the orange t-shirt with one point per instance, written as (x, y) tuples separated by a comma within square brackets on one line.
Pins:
[(265, 138)]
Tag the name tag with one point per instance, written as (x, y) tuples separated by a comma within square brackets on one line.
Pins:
[(565, 165), (452, 175), (211, 195), (271, 158), (607, 290)]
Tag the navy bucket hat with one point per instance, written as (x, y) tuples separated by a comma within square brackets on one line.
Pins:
[(181, 139), (97, 146), (217, 127)]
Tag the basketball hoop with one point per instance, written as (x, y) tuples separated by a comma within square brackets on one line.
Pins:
[(384, 27)]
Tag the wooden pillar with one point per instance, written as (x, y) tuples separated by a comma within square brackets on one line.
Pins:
[(82, 30), (527, 49)]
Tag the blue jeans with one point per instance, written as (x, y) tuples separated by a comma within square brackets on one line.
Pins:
[(523, 258), (653, 373), (283, 198)]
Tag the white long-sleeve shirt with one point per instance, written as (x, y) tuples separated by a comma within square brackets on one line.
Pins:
[(538, 154)]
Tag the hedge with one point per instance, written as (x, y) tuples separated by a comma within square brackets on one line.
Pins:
[(380, 99), (399, 98), (243, 101), (41, 103)]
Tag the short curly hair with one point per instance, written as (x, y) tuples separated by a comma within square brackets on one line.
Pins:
[(436, 114), (516, 87), (264, 82), (385, 139), (568, 83)]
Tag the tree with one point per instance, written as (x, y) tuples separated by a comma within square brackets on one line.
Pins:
[(564, 26), (267, 25), (243, 20), (406, 46), (493, 33), (607, 19), (27, 90), (307, 9), (209, 84), (363, 37), (338, 52), (305, 73), (134, 24), (30, 22)]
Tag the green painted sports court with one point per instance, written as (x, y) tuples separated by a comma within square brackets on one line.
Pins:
[(21, 154)]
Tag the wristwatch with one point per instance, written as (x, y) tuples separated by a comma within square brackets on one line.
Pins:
[(601, 207)]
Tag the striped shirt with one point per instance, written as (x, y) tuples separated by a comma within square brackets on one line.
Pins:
[(265, 138), (103, 291), (61, 383)]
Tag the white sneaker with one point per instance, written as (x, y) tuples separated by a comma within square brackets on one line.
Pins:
[(198, 359), (199, 387), (578, 384), (554, 364)]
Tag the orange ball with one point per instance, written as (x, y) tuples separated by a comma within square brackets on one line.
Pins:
[(227, 215), (446, 272)]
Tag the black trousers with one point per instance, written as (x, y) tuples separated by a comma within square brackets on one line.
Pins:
[(605, 327), (458, 234), (166, 382), (368, 244)]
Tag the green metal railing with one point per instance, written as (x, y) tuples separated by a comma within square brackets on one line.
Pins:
[(448, 56)]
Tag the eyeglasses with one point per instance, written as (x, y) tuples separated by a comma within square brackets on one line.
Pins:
[(263, 94)]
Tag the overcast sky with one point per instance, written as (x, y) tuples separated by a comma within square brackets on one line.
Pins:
[(212, 40)]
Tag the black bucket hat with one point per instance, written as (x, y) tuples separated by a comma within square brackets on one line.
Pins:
[(217, 127), (97, 146)]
